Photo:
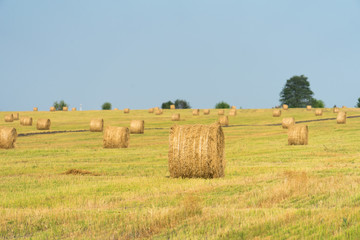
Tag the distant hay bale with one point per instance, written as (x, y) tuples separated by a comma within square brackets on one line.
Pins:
[(344, 107), (158, 111), (196, 151), (126, 110), (298, 135), (156, 108), (151, 110), (116, 109), (137, 126), (175, 117), (308, 107), (43, 124), (8, 137), (276, 113), (73, 109), (341, 117), (318, 112), (196, 112), (224, 121), (172, 106), (26, 121), (335, 110), (9, 118), (116, 137), (233, 107), (285, 107), (206, 111), (35, 109), (288, 122), (96, 125), (221, 112), (232, 112), (65, 109), (15, 116), (52, 109)]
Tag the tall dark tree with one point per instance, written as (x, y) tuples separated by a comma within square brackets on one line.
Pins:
[(182, 104), (59, 105), (358, 103), (296, 92), (166, 105)]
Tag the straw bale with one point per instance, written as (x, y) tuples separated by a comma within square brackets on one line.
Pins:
[(308, 107), (221, 112), (196, 112), (127, 110), (35, 109), (52, 109), (175, 117), (344, 107), (116, 109), (206, 111), (233, 107), (232, 112), (197, 151), (276, 113), (26, 121), (172, 106), (288, 122), (298, 135), (73, 109), (156, 108), (8, 137), (15, 116), (137, 126), (224, 121), (9, 118), (96, 125), (158, 111), (116, 137), (65, 109), (341, 117), (285, 107), (318, 112), (335, 110), (151, 110), (43, 124)]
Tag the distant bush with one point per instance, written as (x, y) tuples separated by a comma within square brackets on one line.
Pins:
[(315, 103), (222, 104), (182, 104), (166, 105), (59, 105), (106, 106), (358, 103)]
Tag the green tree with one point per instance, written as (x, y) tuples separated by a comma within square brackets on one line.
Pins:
[(59, 105), (317, 103), (222, 104), (106, 106), (296, 92), (166, 105), (358, 103), (182, 104)]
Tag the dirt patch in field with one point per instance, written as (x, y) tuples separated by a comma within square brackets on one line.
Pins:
[(80, 172)]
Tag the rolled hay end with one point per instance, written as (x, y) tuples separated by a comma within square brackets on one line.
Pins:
[(232, 112), (137, 126), (318, 112), (15, 116), (175, 117), (224, 121), (43, 124), (276, 113), (26, 121), (206, 111), (298, 135), (116, 137), (8, 137), (96, 125), (196, 112), (172, 107), (52, 109), (221, 112), (285, 107), (287, 122), (65, 109), (73, 109), (196, 151), (9, 118), (335, 110), (308, 107), (127, 110), (151, 110), (341, 117)]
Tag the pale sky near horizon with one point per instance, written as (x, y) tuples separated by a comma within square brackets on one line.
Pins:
[(138, 54)]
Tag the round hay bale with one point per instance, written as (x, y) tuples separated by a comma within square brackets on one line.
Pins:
[(221, 112), (196, 151), (196, 112), (224, 121), (96, 125), (287, 122), (65, 109), (276, 113), (335, 110), (233, 107), (344, 107), (172, 106), (175, 117), (52, 109), (116, 109), (298, 135), (285, 107), (318, 112), (308, 107), (8, 137), (26, 121), (137, 126), (232, 112), (206, 111), (116, 137), (35, 109), (43, 124), (158, 111), (16, 116), (151, 110), (73, 109), (341, 117), (126, 110), (9, 118), (156, 108)]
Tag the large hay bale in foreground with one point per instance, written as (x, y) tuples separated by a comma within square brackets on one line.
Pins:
[(287, 122), (35, 109), (52, 109), (206, 111), (196, 112), (8, 137), (224, 121), (298, 135), (175, 117), (137, 126), (73, 109), (116, 137), (285, 107), (335, 110), (96, 125), (318, 112), (221, 112), (196, 151), (43, 124), (15, 116), (172, 107), (341, 117), (232, 112), (9, 118), (151, 110), (26, 121), (308, 107), (127, 110), (65, 109), (276, 113)]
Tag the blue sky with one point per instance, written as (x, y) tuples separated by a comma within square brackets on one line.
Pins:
[(139, 54)]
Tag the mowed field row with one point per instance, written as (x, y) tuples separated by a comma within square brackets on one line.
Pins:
[(270, 189)]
